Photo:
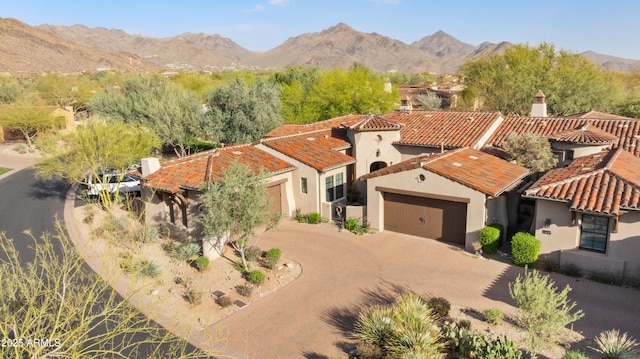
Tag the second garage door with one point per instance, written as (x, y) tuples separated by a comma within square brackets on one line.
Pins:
[(426, 217)]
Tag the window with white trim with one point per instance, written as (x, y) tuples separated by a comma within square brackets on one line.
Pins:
[(594, 231), (334, 190)]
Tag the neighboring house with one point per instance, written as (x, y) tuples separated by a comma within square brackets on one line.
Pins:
[(448, 196), (67, 123), (171, 188), (588, 213)]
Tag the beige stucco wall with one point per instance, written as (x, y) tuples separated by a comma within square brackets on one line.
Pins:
[(497, 212), (433, 184), (622, 256), (366, 143), (325, 208), (409, 152)]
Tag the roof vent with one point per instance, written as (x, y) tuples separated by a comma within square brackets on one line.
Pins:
[(457, 164), (473, 157), (310, 139), (470, 119), (237, 152)]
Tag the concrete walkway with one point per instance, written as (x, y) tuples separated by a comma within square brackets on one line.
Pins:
[(313, 316), (14, 160)]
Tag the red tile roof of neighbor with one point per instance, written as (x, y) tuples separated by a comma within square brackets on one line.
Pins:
[(605, 183), (600, 115), (450, 129), (319, 150), (585, 134), (193, 171), (474, 169), (628, 131), (371, 123), (294, 129)]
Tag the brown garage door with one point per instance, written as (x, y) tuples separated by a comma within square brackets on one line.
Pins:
[(274, 195), (426, 217)]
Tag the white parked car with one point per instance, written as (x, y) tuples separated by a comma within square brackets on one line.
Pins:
[(123, 183)]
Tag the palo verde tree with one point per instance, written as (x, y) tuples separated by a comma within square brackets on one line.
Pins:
[(29, 120), (156, 103), (508, 82), (93, 149), (543, 311), (242, 111), (53, 307), (530, 150), (234, 207)]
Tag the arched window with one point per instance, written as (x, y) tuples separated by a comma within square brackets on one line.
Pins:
[(377, 165)]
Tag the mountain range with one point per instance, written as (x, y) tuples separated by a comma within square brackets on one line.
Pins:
[(79, 48)]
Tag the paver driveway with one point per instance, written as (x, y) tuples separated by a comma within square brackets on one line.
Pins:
[(313, 316)]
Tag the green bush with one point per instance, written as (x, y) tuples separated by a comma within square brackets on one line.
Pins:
[(490, 238), (272, 257), (525, 249), (194, 297), (314, 218), (440, 306), (241, 268), (187, 252), (256, 277), (202, 263), (493, 316), (358, 227), (574, 355), (464, 343), (252, 253), (146, 234)]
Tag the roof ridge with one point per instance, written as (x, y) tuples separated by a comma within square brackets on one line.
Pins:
[(613, 158), (588, 174), (294, 135), (441, 155)]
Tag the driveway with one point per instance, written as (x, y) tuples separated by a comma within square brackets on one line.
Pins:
[(313, 316)]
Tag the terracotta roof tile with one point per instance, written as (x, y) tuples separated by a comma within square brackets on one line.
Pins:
[(585, 134), (191, 172), (627, 130), (371, 123), (319, 150), (604, 182), (449, 129), (294, 129), (477, 170), (600, 115)]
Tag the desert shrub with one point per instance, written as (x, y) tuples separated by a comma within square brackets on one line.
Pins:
[(252, 253), (272, 257), (490, 238), (115, 225), (202, 263), (314, 218), (89, 214), (146, 234), (369, 351), (256, 276), (358, 227), (572, 270), (406, 329), (613, 345), (574, 355), (493, 316), (298, 216), (440, 306), (239, 266), (224, 301), (21, 148), (525, 249), (244, 290), (464, 323), (147, 268), (464, 343), (194, 297), (187, 252)]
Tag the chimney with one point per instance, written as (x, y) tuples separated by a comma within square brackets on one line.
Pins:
[(149, 165), (539, 107), (405, 105)]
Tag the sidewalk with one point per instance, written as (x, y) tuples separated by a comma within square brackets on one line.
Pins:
[(14, 160)]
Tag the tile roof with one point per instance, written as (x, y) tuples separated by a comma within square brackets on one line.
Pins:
[(319, 149), (600, 115), (628, 131), (605, 183), (474, 169), (191, 172), (371, 123), (585, 134), (295, 129), (449, 129)]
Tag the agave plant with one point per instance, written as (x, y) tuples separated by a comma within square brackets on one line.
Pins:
[(148, 268), (187, 252), (612, 345)]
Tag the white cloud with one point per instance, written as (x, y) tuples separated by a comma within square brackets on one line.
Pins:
[(278, 2), (257, 8)]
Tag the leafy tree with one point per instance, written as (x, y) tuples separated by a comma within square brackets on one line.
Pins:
[(64, 90), (429, 101), (154, 102), (243, 196), (542, 310), (94, 148), (29, 120), (198, 83), (72, 312), (242, 111), (296, 82), (508, 82), (530, 150), (10, 90)]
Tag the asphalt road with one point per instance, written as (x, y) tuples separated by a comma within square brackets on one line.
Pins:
[(29, 204)]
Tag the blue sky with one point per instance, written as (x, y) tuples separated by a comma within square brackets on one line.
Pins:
[(607, 27)]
